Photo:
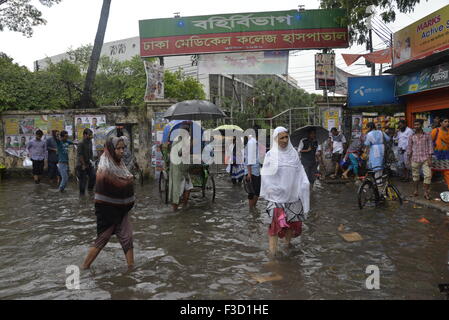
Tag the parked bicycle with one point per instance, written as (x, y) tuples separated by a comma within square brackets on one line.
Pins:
[(376, 192)]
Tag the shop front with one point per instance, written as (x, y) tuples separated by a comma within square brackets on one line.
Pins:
[(372, 99), (426, 94)]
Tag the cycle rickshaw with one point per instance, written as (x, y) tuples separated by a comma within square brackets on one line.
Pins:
[(186, 112)]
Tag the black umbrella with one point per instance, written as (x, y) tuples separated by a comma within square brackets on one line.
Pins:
[(194, 110), (321, 134)]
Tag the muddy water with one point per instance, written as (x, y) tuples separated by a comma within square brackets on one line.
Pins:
[(218, 251)]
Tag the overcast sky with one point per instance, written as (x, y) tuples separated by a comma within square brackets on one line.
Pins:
[(74, 22)]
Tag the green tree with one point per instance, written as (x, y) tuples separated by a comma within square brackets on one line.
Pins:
[(81, 56), (180, 87), (21, 15), (358, 30), (21, 89)]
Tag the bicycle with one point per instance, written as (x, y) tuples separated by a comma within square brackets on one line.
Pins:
[(369, 191)]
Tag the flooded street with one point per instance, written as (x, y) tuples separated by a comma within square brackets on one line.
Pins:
[(217, 251)]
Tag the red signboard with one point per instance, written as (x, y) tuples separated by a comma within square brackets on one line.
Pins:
[(247, 41)]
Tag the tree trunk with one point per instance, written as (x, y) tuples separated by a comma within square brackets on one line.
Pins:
[(86, 98)]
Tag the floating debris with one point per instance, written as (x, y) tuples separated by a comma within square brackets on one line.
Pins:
[(351, 237), (424, 220), (261, 278)]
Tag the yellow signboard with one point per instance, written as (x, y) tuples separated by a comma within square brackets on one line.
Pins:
[(422, 38), (11, 126)]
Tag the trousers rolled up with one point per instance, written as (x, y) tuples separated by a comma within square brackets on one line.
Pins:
[(63, 169), (86, 176)]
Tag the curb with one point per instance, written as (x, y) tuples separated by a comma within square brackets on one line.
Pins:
[(425, 203)]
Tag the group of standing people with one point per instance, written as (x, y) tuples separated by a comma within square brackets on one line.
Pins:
[(56, 150)]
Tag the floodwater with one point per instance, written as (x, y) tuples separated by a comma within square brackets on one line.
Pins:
[(219, 250)]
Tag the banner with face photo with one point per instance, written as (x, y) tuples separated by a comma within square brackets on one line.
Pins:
[(19, 130), (356, 131), (93, 122), (155, 81)]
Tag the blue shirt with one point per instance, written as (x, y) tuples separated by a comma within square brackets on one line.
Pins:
[(63, 150), (252, 157)]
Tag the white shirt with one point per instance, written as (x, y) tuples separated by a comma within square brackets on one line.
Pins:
[(402, 138), (301, 145), (338, 145)]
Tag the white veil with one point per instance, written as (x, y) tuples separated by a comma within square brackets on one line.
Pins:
[(284, 179)]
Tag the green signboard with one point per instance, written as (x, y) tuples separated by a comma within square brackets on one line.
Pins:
[(257, 31), (241, 22), (426, 79)]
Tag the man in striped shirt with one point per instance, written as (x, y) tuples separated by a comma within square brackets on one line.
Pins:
[(419, 152)]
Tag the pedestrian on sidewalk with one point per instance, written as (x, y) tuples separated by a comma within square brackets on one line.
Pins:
[(37, 149), (52, 158), (114, 198), (63, 145), (309, 151), (402, 137), (440, 138), (252, 169), (375, 147), (419, 153), (338, 148), (286, 188), (84, 168)]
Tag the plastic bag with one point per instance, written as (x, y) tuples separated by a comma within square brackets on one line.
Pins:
[(27, 163)]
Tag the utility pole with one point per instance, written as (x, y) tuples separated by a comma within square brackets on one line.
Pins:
[(370, 10)]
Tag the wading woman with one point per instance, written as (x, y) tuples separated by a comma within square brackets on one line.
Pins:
[(114, 198), (286, 188)]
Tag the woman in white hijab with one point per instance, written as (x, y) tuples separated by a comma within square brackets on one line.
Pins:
[(286, 188)]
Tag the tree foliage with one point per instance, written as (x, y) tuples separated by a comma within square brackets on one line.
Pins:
[(21, 15), (59, 86), (356, 16), (180, 87), (270, 97)]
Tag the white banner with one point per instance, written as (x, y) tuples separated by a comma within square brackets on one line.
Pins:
[(341, 81), (266, 62)]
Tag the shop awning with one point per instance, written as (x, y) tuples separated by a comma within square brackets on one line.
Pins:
[(417, 65)]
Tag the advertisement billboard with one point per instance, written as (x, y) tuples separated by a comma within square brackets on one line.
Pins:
[(371, 91), (420, 39), (262, 62), (257, 31), (429, 78)]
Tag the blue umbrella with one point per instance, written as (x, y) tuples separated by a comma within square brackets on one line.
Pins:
[(169, 127), (175, 124)]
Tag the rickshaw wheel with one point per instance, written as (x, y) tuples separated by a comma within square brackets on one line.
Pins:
[(163, 186), (209, 188)]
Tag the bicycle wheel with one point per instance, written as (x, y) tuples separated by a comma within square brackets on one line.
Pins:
[(163, 186), (392, 193), (367, 193), (209, 189)]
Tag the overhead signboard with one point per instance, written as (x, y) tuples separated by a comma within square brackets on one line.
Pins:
[(371, 91), (428, 78), (257, 31), (427, 36)]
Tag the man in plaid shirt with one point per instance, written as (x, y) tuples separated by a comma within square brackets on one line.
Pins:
[(419, 152)]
